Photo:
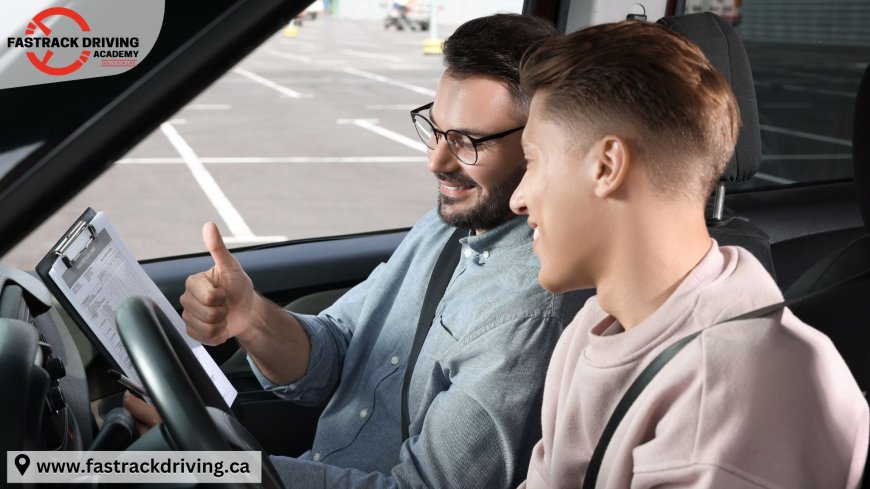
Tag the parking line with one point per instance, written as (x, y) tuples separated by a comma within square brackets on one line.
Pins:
[(407, 107), (798, 88), (149, 161), (820, 91), (370, 125), (787, 105), (805, 74), (370, 55), (359, 42), (216, 196), (317, 159), (298, 42), (251, 160), (415, 67), (282, 54), (268, 83), (209, 107), (832, 156), (806, 135), (389, 81), (774, 178)]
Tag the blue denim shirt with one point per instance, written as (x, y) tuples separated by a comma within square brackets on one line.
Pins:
[(475, 393)]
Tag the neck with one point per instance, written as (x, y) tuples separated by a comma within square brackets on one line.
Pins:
[(652, 254), (506, 218)]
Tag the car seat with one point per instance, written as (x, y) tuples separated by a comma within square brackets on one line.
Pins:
[(723, 48), (843, 314)]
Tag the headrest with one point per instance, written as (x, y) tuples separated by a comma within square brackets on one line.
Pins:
[(861, 146), (720, 43)]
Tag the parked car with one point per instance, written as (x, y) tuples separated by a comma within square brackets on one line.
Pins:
[(400, 16), (314, 10), (727, 9)]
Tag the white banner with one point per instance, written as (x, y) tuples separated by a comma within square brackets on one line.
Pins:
[(119, 467), (49, 41)]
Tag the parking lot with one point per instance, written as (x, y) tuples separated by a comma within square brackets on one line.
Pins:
[(310, 136)]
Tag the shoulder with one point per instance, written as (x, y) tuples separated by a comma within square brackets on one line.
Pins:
[(765, 384), (777, 345), (786, 377), (426, 238), (514, 304), (535, 331), (429, 226)]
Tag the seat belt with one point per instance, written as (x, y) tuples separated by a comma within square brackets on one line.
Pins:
[(669, 353), (441, 273)]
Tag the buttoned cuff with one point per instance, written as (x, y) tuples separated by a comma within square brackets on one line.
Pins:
[(304, 389)]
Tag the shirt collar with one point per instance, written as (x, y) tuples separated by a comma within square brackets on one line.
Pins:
[(514, 232)]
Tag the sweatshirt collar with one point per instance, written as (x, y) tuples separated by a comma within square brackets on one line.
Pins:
[(608, 342)]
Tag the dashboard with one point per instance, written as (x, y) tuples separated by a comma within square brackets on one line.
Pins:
[(59, 396), (41, 371)]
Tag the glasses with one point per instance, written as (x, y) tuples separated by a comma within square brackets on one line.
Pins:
[(463, 146)]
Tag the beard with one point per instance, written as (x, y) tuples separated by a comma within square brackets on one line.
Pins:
[(488, 211)]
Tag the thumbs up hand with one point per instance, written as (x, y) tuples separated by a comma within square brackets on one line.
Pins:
[(218, 302)]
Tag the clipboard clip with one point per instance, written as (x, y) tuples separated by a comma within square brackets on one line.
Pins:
[(70, 237)]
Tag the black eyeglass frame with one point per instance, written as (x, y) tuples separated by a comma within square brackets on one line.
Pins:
[(475, 142)]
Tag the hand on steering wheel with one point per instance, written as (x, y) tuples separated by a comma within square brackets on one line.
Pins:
[(180, 388)]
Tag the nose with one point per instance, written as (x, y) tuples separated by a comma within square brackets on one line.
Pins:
[(441, 159), (518, 199)]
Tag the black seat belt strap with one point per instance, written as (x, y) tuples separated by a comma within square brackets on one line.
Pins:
[(648, 373), (441, 273)]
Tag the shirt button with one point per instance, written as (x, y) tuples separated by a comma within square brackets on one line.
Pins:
[(468, 252), (394, 360), (485, 255), (317, 457), (363, 413)]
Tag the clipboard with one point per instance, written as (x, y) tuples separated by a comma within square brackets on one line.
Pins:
[(59, 250), (90, 271)]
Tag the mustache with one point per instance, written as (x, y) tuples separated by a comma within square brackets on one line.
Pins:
[(456, 178)]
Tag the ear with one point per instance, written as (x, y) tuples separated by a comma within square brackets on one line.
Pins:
[(612, 163)]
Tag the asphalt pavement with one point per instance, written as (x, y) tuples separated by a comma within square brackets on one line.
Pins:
[(309, 136)]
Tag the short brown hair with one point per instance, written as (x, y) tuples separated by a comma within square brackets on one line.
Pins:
[(492, 46), (648, 81)]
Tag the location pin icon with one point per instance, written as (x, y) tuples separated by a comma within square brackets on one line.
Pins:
[(22, 462)]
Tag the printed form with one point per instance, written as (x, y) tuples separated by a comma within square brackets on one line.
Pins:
[(103, 274)]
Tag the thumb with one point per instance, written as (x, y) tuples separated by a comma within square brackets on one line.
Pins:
[(214, 243)]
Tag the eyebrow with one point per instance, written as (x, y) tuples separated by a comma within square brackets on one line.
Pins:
[(471, 132)]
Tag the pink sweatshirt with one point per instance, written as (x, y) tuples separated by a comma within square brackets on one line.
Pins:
[(759, 403)]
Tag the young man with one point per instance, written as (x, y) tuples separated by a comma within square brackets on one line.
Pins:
[(629, 129), (474, 396)]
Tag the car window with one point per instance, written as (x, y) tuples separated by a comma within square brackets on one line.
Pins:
[(309, 136), (807, 59)]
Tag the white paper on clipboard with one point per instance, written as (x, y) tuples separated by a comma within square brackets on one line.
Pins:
[(103, 274)]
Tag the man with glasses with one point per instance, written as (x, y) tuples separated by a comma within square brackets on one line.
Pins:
[(464, 202), (472, 396), (463, 146)]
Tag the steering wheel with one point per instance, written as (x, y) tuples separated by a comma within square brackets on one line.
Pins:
[(180, 388)]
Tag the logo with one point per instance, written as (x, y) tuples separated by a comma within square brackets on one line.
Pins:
[(70, 43), (39, 21), (22, 462)]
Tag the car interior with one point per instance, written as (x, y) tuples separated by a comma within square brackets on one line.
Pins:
[(811, 234)]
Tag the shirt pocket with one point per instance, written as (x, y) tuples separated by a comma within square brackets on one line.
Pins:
[(448, 325)]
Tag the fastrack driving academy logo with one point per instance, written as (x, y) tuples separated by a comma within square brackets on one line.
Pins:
[(70, 44)]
